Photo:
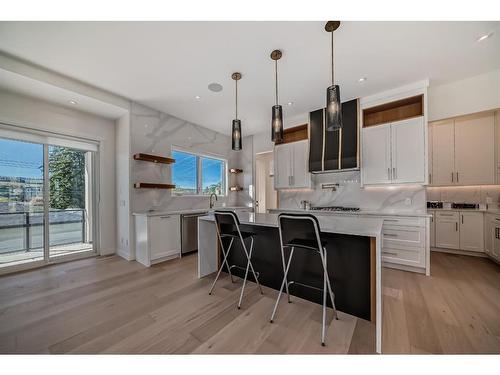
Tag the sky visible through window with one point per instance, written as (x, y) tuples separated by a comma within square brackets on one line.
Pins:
[(184, 174), (21, 159)]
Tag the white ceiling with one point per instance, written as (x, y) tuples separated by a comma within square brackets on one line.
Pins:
[(166, 64)]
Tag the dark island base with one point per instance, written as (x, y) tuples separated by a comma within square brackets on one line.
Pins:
[(349, 267)]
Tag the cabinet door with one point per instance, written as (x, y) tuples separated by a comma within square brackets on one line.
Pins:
[(165, 236), (376, 163), (282, 164), (432, 229), (408, 151), (429, 149), (495, 250), (488, 233), (443, 153), (447, 231), (471, 231), (300, 175), (475, 150)]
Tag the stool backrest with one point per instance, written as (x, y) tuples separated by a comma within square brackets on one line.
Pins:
[(226, 217), (298, 226)]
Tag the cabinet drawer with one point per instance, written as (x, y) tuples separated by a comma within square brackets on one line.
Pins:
[(404, 221), (408, 257), (401, 237), (447, 216)]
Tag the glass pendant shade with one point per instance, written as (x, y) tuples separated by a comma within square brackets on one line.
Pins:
[(333, 108), (277, 124), (236, 135)]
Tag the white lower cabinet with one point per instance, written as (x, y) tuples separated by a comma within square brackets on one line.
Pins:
[(472, 231), (447, 230), (158, 238), (404, 242), (493, 242)]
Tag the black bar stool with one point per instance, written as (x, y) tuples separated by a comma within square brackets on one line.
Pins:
[(223, 221), (301, 231)]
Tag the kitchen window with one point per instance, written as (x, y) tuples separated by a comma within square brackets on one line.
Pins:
[(196, 174)]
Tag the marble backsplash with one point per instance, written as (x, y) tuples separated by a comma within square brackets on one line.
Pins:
[(465, 194), (349, 193), (156, 132)]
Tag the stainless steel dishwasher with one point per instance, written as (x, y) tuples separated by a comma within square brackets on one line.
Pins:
[(189, 232)]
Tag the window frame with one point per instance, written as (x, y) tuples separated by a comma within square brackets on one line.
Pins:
[(199, 172)]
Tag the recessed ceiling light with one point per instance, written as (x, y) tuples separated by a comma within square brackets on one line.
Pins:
[(484, 37), (362, 79), (289, 103), (215, 87), (197, 97), (74, 102)]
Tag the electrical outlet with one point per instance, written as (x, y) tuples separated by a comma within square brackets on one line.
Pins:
[(408, 202)]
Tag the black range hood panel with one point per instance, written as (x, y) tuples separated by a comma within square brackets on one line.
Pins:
[(338, 150)]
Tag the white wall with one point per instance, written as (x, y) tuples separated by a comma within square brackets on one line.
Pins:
[(123, 217), (470, 95), (37, 114)]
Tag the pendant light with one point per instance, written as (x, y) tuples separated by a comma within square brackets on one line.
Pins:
[(277, 111), (236, 130), (333, 104)]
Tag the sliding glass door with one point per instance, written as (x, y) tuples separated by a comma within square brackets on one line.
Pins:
[(47, 200)]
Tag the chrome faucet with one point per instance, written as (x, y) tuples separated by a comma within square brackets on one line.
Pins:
[(211, 202)]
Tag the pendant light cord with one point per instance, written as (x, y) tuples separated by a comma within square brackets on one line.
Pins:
[(332, 59), (276, 76), (236, 99)]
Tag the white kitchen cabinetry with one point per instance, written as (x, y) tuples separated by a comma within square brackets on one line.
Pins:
[(432, 228), (447, 230), (394, 153), (472, 231), (494, 245), (463, 151), (291, 165), (158, 238)]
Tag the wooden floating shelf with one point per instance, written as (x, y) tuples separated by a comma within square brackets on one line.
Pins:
[(394, 111), (235, 188), (235, 170), (154, 158), (149, 185), (295, 134)]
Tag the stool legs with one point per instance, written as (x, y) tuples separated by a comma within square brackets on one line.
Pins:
[(249, 265), (222, 265), (282, 284), (326, 288)]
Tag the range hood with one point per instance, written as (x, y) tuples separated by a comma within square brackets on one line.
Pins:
[(334, 151)]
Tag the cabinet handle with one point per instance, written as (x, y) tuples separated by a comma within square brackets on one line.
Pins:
[(390, 234), (456, 227), (451, 176), (165, 217), (388, 173), (462, 219), (394, 175), (395, 220), (430, 178), (457, 177)]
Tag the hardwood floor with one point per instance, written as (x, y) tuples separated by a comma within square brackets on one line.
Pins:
[(109, 305)]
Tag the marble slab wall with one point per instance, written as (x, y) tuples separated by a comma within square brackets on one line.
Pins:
[(156, 132), (465, 194), (350, 193)]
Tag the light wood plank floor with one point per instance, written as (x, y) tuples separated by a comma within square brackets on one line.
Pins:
[(109, 305)]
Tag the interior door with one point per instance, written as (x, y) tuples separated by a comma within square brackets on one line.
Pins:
[(475, 150), (408, 150), (376, 154), (443, 153)]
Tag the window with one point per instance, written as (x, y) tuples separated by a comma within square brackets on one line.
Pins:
[(195, 174)]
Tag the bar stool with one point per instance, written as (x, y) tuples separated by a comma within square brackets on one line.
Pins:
[(225, 220), (302, 231)]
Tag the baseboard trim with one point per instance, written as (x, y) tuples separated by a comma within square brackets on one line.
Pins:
[(403, 267), (459, 252), (123, 254)]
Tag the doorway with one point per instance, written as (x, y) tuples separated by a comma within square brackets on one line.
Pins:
[(47, 199), (266, 197)]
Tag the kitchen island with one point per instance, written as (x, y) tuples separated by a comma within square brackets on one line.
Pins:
[(353, 253)]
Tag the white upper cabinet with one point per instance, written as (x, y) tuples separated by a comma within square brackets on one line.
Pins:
[(408, 151), (463, 151), (291, 166), (443, 153), (475, 150), (394, 153), (376, 165)]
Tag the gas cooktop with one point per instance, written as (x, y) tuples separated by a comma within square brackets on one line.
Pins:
[(336, 208)]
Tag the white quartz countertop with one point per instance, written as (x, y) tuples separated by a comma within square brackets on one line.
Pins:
[(361, 212), (358, 226), (494, 211), (188, 211)]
